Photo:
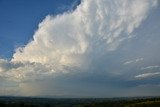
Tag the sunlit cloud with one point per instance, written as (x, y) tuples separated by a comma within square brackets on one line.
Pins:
[(80, 48)]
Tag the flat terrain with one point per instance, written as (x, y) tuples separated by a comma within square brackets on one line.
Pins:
[(79, 102)]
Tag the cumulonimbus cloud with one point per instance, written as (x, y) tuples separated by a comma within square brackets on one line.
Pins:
[(72, 40)]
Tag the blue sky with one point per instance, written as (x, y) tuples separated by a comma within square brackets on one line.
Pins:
[(87, 48), (19, 19)]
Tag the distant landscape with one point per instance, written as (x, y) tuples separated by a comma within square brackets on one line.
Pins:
[(79, 102)]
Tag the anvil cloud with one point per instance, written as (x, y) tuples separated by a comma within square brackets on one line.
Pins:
[(82, 52)]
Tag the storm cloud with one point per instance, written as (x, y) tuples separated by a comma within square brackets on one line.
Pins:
[(100, 47)]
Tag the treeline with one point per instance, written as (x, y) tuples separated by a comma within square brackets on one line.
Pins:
[(127, 102), (144, 102)]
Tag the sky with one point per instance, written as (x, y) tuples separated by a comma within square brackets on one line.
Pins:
[(73, 48), (19, 20)]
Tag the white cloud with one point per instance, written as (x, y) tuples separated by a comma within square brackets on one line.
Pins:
[(150, 67), (147, 75), (60, 39), (3, 65), (69, 42), (133, 61)]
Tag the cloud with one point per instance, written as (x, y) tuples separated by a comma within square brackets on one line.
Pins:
[(146, 90), (150, 67), (3, 65), (133, 61), (147, 75), (78, 49), (62, 38)]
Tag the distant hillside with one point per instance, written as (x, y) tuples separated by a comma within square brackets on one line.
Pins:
[(79, 102)]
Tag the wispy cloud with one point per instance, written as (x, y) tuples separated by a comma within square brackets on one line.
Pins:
[(150, 67), (133, 61), (147, 75)]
